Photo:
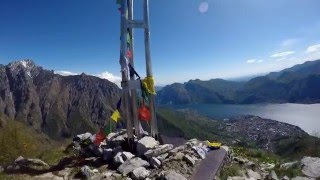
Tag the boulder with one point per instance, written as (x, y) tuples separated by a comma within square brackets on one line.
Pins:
[(107, 154), (273, 175), (200, 151), (85, 170), (117, 159), (193, 142), (311, 166), (176, 150), (162, 157), (251, 164), (118, 140), (158, 150), (154, 162), (172, 175), (189, 159), (110, 135), (288, 165), (253, 174), (30, 164), (1, 169), (178, 156), (127, 155), (267, 166), (146, 143), (131, 164), (285, 178), (140, 173)]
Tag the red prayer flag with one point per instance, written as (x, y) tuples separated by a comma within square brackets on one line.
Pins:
[(144, 113), (100, 136)]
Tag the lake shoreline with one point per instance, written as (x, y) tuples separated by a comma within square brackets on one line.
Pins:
[(305, 116)]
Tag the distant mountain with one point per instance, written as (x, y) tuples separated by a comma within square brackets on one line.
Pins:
[(59, 106), (298, 84)]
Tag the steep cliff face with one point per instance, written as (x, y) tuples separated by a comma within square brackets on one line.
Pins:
[(59, 106)]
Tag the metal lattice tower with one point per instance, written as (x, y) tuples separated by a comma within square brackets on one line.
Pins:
[(129, 84)]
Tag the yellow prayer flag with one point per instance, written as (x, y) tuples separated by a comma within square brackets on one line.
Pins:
[(148, 84), (116, 115)]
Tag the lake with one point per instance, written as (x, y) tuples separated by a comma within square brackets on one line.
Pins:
[(306, 116)]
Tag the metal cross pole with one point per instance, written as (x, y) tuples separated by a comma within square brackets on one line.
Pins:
[(153, 123), (124, 70), (134, 112)]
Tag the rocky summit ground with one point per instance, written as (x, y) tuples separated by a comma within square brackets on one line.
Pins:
[(112, 159)]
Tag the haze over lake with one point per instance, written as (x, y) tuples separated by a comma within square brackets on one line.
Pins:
[(306, 116)]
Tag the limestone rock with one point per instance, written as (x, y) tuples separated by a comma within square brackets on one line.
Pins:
[(172, 175), (33, 164), (85, 170), (189, 159), (253, 174), (176, 150), (156, 163), (311, 166), (130, 165), (140, 173), (178, 156), (146, 143), (127, 155), (267, 166), (273, 175), (158, 150), (288, 165), (251, 164), (117, 159), (285, 178), (162, 156)]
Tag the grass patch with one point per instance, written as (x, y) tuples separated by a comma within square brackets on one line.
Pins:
[(232, 170), (17, 139), (257, 155), (293, 171)]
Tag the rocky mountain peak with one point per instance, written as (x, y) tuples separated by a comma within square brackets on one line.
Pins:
[(26, 65)]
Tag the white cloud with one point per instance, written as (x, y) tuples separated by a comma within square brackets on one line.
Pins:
[(282, 54), (110, 77), (313, 49), (290, 42), (251, 61), (103, 75), (65, 73), (203, 7), (260, 61)]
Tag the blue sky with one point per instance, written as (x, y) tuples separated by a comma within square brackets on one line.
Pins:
[(189, 38)]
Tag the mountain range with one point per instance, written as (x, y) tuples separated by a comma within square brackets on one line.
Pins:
[(298, 84), (60, 106)]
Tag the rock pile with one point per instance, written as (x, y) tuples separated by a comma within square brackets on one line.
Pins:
[(309, 167), (147, 160), (112, 158)]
